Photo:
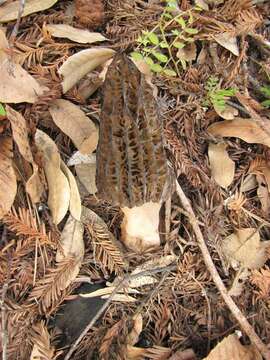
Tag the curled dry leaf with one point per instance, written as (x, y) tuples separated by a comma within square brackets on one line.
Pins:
[(59, 190), (16, 84), (77, 35), (245, 248), (42, 348), (20, 136), (8, 182), (87, 176), (231, 348), (229, 113), (245, 129), (75, 124), (222, 167), (82, 63), (187, 53), (72, 246), (9, 11), (228, 41), (75, 206)]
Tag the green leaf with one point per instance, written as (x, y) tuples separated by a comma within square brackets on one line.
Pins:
[(191, 31), (197, 8), (191, 19), (167, 16), (181, 22), (265, 90), (266, 103), (169, 72), (140, 39), (163, 44), (156, 68), (136, 55), (160, 57), (148, 60), (178, 45), (2, 110), (175, 32), (153, 38)]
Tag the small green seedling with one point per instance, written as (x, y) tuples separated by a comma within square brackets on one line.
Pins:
[(158, 47), (2, 110), (265, 90), (216, 96)]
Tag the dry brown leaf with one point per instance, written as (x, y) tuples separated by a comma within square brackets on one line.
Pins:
[(16, 84), (222, 167), (239, 282), (245, 248), (229, 113), (75, 124), (249, 183), (87, 176), (20, 135), (230, 348), (77, 35), (82, 63), (9, 11), (133, 336), (263, 193), (187, 53), (8, 182), (245, 129), (75, 206), (40, 338), (59, 190), (228, 41)]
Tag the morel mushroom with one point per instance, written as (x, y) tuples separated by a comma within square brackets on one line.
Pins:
[(131, 161)]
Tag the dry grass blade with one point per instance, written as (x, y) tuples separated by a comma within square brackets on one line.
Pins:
[(47, 291), (25, 224), (40, 338), (106, 249)]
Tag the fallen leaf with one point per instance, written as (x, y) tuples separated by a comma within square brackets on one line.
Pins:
[(120, 298), (249, 183), (231, 348), (20, 136), (13, 74), (75, 206), (133, 336), (263, 194), (87, 176), (77, 35), (188, 52), (239, 282), (75, 124), (245, 129), (244, 247), (71, 241), (59, 190), (222, 167), (81, 63), (187, 354), (228, 41), (229, 113), (9, 11), (79, 158), (260, 166), (8, 182)]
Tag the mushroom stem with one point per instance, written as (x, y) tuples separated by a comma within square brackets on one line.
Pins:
[(139, 229)]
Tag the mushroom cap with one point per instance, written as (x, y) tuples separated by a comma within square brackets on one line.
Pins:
[(131, 160)]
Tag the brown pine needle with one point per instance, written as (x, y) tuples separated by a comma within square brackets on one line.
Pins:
[(245, 325)]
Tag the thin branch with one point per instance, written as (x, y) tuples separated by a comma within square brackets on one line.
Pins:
[(4, 333), (121, 284), (245, 325)]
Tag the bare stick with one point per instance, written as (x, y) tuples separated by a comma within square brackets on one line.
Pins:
[(4, 334), (16, 27), (245, 325), (121, 284)]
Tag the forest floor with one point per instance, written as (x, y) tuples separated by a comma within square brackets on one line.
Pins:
[(69, 288)]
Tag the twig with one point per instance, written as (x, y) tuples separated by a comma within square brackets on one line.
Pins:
[(121, 284), (4, 334), (245, 325), (16, 27)]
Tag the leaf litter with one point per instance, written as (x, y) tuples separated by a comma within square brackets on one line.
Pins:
[(61, 250)]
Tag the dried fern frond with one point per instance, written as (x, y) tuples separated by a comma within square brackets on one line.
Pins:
[(107, 252), (261, 279), (48, 290), (25, 224), (40, 339)]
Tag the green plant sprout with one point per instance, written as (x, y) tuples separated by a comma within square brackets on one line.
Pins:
[(2, 110), (265, 90), (216, 96), (158, 47)]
